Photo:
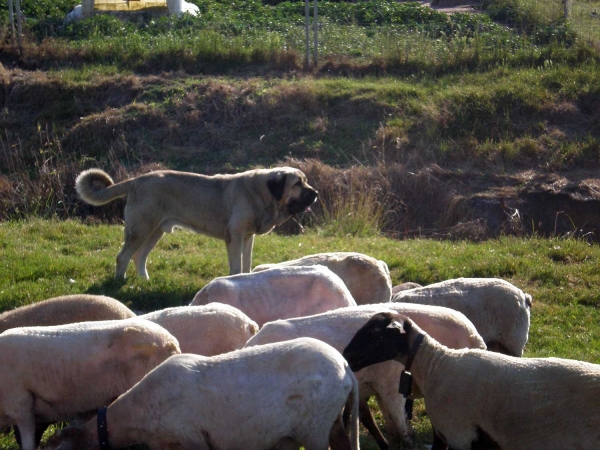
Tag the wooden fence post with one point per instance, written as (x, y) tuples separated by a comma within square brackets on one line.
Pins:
[(11, 15), (19, 26), (307, 26), (315, 26), (567, 6)]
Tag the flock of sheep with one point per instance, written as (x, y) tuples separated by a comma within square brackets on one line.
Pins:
[(255, 362)]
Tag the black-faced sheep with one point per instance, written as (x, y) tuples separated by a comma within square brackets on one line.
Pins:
[(478, 399), (337, 329)]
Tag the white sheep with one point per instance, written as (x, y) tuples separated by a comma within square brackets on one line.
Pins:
[(206, 330), (405, 287), (368, 279), (180, 7), (75, 15), (63, 310), (499, 310), (52, 374), (478, 399), (283, 395), (278, 293), (337, 329)]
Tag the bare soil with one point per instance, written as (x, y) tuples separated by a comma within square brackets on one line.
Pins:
[(525, 202)]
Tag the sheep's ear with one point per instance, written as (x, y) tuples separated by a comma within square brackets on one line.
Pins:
[(400, 324), (397, 325)]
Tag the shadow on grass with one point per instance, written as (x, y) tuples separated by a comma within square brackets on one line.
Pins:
[(141, 297)]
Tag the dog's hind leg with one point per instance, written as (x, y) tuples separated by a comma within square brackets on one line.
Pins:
[(135, 237), (140, 257), (247, 254)]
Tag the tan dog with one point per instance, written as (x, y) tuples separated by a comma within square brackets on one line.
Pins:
[(229, 207)]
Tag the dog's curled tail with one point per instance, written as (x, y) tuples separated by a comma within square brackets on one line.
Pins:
[(109, 191)]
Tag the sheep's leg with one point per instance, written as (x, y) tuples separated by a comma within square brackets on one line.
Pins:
[(400, 434), (338, 436), (438, 442), (26, 424), (21, 413), (366, 418), (286, 444), (40, 429)]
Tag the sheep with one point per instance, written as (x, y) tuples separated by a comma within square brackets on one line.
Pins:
[(180, 7), (368, 279), (52, 374), (279, 293), (337, 328), (282, 395), (75, 15), (405, 287), (63, 310), (206, 330), (499, 310), (477, 399)]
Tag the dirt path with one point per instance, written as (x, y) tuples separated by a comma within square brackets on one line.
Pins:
[(454, 6)]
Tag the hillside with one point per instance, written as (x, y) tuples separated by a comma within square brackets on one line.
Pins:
[(465, 129)]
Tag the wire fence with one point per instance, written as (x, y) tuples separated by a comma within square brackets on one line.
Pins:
[(582, 16)]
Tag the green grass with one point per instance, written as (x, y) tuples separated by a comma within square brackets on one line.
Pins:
[(585, 19), (41, 259)]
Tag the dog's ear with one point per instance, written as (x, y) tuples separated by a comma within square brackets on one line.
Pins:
[(276, 185)]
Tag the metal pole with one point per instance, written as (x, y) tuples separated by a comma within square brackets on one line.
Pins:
[(316, 27), (11, 15), (19, 27), (307, 12)]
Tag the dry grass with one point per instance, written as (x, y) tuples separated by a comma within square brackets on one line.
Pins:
[(389, 199)]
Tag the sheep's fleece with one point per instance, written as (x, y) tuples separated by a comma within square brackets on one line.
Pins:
[(367, 278), (206, 330), (52, 374), (499, 310), (279, 293), (337, 328), (63, 310), (274, 396)]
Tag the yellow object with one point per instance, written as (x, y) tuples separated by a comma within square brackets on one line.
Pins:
[(128, 5)]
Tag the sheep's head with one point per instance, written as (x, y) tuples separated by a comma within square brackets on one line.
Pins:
[(73, 437), (383, 337)]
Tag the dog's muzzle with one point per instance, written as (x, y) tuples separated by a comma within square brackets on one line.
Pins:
[(307, 198)]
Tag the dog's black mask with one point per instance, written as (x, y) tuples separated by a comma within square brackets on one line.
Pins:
[(307, 198)]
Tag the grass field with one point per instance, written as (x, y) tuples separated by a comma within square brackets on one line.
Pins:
[(41, 259)]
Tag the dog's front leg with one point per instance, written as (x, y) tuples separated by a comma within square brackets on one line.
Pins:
[(247, 254), (235, 245)]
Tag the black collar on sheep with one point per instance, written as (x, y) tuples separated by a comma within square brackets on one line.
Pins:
[(102, 429), (405, 387)]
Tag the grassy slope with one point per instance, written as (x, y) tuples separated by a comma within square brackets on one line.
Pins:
[(41, 259), (540, 115)]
